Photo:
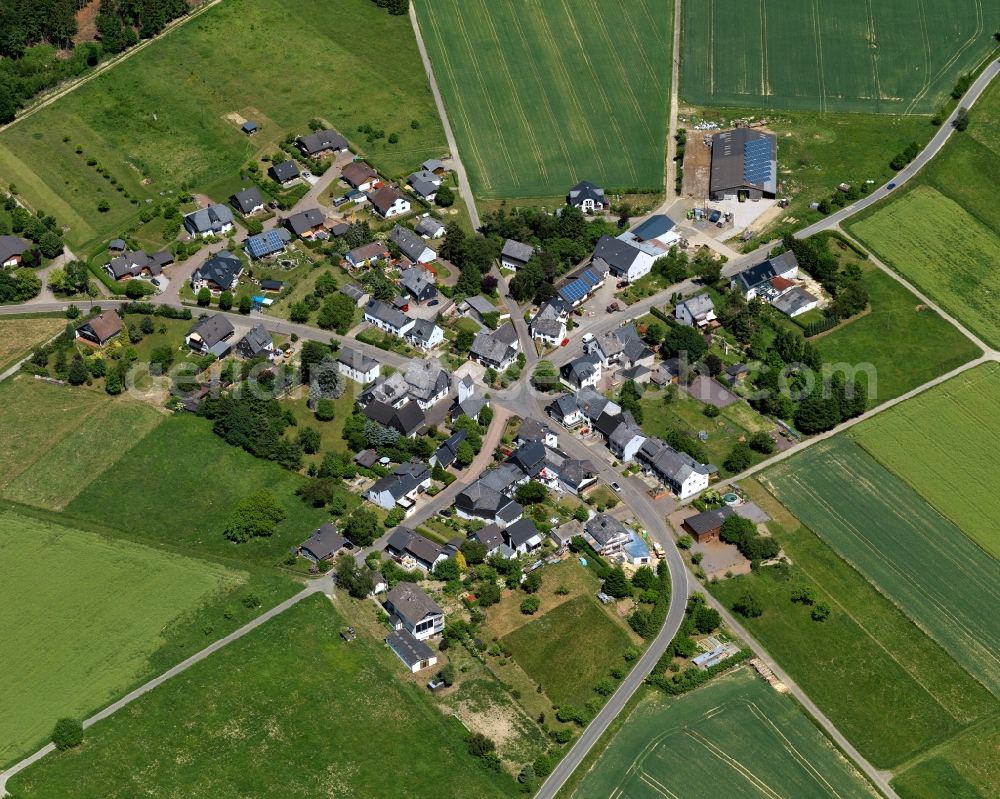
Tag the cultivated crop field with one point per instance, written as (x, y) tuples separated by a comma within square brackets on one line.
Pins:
[(846, 56), (544, 93), (945, 443), (71, 643), (920, 560), (167, 117), (569, 650), (291, 711), (179, 484), (735, 737), (966, 285)]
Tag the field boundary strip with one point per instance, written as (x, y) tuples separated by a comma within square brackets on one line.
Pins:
[(820, 69), (873, 46), (734, 764)]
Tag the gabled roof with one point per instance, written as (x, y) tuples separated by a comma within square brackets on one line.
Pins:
[(563, 406), (585, 190), (593, 403), (581, 369), (354, 291), (698, 305), (324, 542), (213, 329), (608, 423), (502, 478), (409, 243), (488, 347), (533, 430), (215, 217), (480, 304), (105, 325), (489, 536), (794, 300), (429, 226), (383, 198), (633, 347), (654, 227), (419, 283), (426, 378), (284, 171), (247, 199), (405, 420), (708, 520), (432, 164), (423, 188), (256, 341), (521, 532), (307, 220), (604, 528), (759, 274), (506, 334), (529, 458), (744, 158), (357, 173), (404, 478), (356, 360), (448, 451), (412, 651), (410, 602), (517, 251), (616, 253), (422, 331), (366, 252), (221, 269), (321, 140), (267, 243), (384, 312)]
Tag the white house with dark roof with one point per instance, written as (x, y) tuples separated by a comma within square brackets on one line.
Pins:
[(756, 281), (412, 610), (430, 228), (515, 254), (424, 335), (367, 254), (565, 410), (389, 202), (323, 544), (626, 438), (11, 250), (385, 317), (248, 201), (357, 366), (522, 536), (582, 372), (419, 284), (209, 335), (321, 142), (587, 197), (492, 351), (411, 245), (623, 259), (605, 534), (215, 220), (412, 550), (306, 224), (256, 343), (696, 311), (402, 487), (219, 273), (284, 172), (678, 470)]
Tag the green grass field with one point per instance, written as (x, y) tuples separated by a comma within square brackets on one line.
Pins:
[(892, 691), (18, 336), (72, 642), (848, 56), (944, 443), (82, 456), (160, 120), (179, 484), (917, 558), (735, 737), (569, 649), (542, 94), (967, 286), (291, 711), (906, 343)]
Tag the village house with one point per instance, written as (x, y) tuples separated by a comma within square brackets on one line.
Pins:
[(306, 224), (100, 329), (424, 335), (219, 273), (707, 525), (414, 654), (565, 410), (445, 455), (12, 248), (419, 284), (696, 311), (582, 372), (321, 143), (284, 172), (491, 538), (625, 438), (410, 609), (549, 324), (522, 536), (794, 301), (358, 295), (267, 244), (581, 284), (479, 307), (385, 317), (605, 534), (493, 349), (248, 201), (406, 420), (480, 501), (402, 487), (681, 473), (215, 220), (411, 245), (624, 260), (427, 382), (515, 255), (412, 551), (357, 366), (756, 281), (425, 184), (130, 264), (430, 228), (367, 254), (323, 544), (210, 335), (535, 431), (468, 402), (256, 343), (359, 176), (587, 197), (389, 202)]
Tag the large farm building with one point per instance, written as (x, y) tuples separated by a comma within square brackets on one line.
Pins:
[(744, 165)]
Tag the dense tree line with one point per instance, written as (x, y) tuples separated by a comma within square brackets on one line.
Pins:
[(36, 36), (255, 424)]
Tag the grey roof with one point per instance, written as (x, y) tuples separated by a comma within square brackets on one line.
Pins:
[(664, 459), (593, 403), (609, 344), (405, 419), (551, 328), (585, 190), (117, 245), (324, 542), (353, 290), (506, 334), (581, 369), (624, 433), (564, 405), (489, 536), (383, 198), (432, 164), (448, 451), (213, 329), (633, 347), (608, 423), (529, 458), (603, 528), (429, 226), (479, 499), (423, 188), (409, 601), (221, 269), (502, 478), (533, 430), (304, 221), (386, 313), (743, 159), (419, 283), (285, 171), (654, 227), (698, 305), (575, 472), (366, 252), (793, 300), (356, 360), (390, 390), (470, 407), (521, 532), (214, 217), (426, 379), (488, 347), (480, 304), (321, 140), (255, 342), (409, 243), (618, 254), (248, 199), (760, 274), (554, 308), (564, 532), (517, 251), (133, 263), (403, 480), (426, 175), (421, 331), (408, 648)]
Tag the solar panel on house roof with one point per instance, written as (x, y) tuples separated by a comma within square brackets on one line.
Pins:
[(574, 291)]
